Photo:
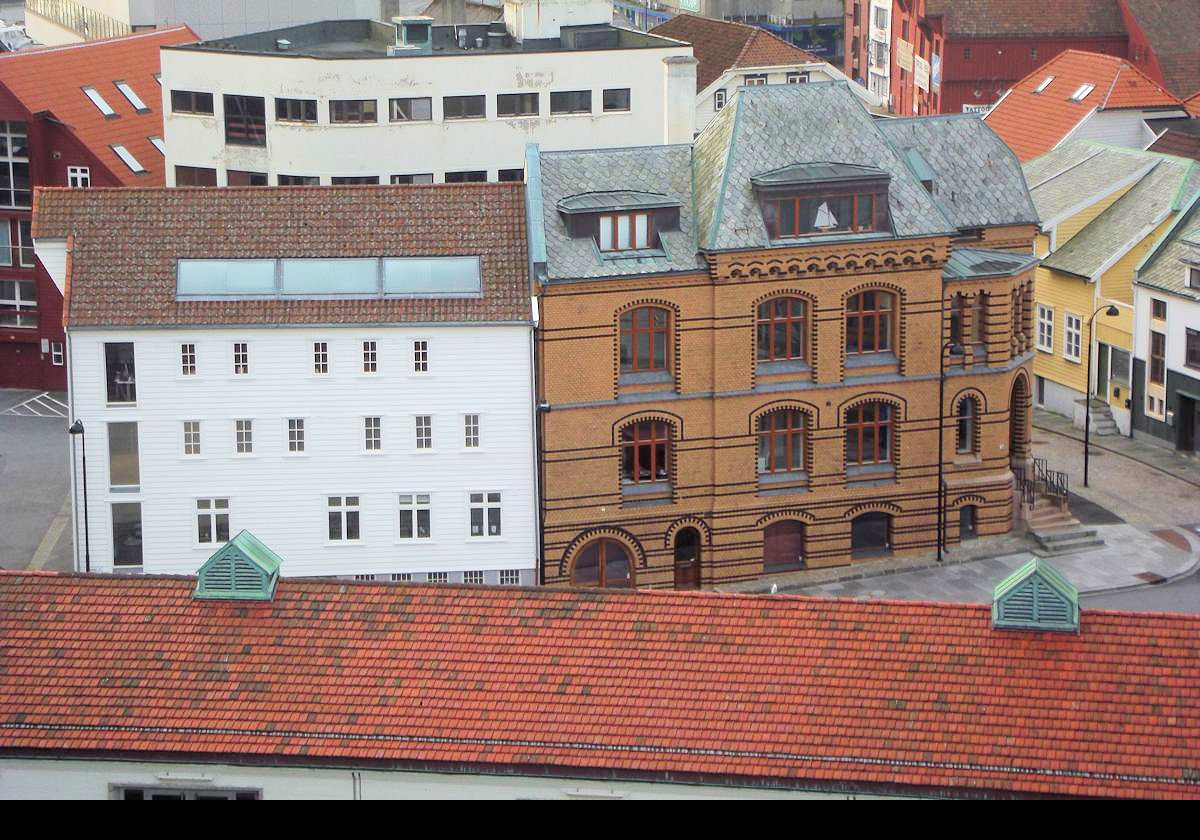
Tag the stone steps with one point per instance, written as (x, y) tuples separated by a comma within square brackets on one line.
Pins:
[(1056, 542)]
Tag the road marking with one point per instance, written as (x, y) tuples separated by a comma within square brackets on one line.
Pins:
[(57, 525), (40, 405)]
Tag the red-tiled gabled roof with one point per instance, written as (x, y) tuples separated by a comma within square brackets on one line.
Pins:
[(721, 45), (127, 241), (1027, 18), (1034, 123), (51, 79), (779, 690)]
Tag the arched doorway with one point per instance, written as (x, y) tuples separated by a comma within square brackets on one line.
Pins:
[(968, 522), (603, 562), (871, 535), (1019, 422), (687, 559), (783, 546)]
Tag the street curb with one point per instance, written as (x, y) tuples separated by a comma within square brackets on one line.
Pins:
[(1188, 572)]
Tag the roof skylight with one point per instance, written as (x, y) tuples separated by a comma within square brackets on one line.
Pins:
[(99, 101), (129, 160), (1045, 84), (1081, 92), (159, 144), (333, 278), (134, 99)]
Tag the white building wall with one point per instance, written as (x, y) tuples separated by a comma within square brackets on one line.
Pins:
[(282, 497), (1120, 128), (1182, 314), (436, 146)]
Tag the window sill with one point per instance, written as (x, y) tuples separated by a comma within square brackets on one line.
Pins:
[(782, 483), (645, 488), (863, 360), (411, 540), (571, 114), (962, 459), (518, 116), (782, 477), (464, 119), (870, 475), (649, 377), (121, 405), (765, 368)]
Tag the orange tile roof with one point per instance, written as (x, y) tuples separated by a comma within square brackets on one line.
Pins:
[(1034, 123), (51, 79), (1192, 104), (721, 45), (806, 692)]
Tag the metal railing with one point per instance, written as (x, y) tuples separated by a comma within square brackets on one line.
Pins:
[(1026, 486), (87, 22), (1052, 483)]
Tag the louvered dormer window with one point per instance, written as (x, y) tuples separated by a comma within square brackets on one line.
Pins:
[(820, 199)]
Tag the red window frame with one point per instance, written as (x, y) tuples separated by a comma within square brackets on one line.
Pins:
[(875, 417), (656, 328), (858, 317), (646, 452), (791, 206), (781, 437), (770, 324), (611, 219), (603, 546)]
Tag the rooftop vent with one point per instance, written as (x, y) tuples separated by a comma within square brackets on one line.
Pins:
[(283, 44), (1036, 597), (243, 570)]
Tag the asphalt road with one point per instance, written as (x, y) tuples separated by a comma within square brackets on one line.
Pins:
[(34, 489), (1183, 596)]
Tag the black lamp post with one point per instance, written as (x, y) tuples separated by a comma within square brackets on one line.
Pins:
[(77, 429), (1110, 312), (955, 349)]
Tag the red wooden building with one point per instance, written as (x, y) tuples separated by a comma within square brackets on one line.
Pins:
[(892, 49), (80, 115)]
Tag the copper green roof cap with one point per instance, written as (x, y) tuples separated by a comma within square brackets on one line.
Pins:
[(242, 569), (1036, 597), (608, 200)]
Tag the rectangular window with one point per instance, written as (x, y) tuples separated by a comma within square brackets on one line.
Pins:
[(320, 358), (414, 516), (295, 428), (401, 577), (1072, 336), (425, 178), (754, 79), (485, 513), (352, 111), (241, 178), (296, 110), (616, 99), (625, 231), (16, 190), (123, 470), (1158, 358), (25, 251), (511, 175), (797, 78), (195, 176), (119, 373), (373, 434), (1041, 390), (127, 534), (1158, 309), (298, 180), (354, 180), (421, 356), (438, 577), (18, 304), (191, 437), (56, 353), (343, 518), (187, 359), (132, 97), (819, 215), (510, 577), (516, 104), (571, 102), (245, 120), (471, 176), (1191, 348), (241, 359), (463, 107), (79, 176), (370, 357), (419, 109), (869, 434), (212, 521), (1193, 277), (243, 436), (1045, 328), (475, 578), (191, 102), (424, 424), (471, 431), (719, 99), (6, 249)]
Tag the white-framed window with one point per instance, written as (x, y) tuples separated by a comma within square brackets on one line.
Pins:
[(295, 432), (415, 513), (438, 577), (471, 431), (625, 231), (79, 176), (343, 518), (241, 358), (401, 577), (187, 359), (475, 577), (1072, 336), (244, 436), (420, 356), (18, 303), (424, 431), (797, 78), (56, 353), (365, 578), (373, 434), (719, 99), (191, 437), (320, 358), (485, 514), (754, 79), (212, 521), (510, 577), (1193, 276), (1045, 328), (370, 352)]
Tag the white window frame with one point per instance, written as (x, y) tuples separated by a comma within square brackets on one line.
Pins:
[(245, 352), (420, 355), (1045, 328), (401, 577), (474, 577), (296, 442), (754, 79), (57, 357), (320, 358), (192, 442), (187, 359), (510, 577), (370, 357), (1068, 332), (343, 508), (411, 503), (482, 501), (373, 434), (212, 513), (423, 442), (79, 177), (797, 77), (243, 437), (471, 431), (25, 310), (720, 98), (1081, 92), (437, 577)]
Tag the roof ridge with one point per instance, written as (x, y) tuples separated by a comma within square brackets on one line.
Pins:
[(764, 32)]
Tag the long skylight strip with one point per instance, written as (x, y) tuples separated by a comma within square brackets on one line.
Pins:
[(99, 101), (159, 144), (131, 95), (317, 278), (128, 159)]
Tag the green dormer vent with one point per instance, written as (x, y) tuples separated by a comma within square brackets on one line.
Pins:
[(243, 569), (1036, 597)]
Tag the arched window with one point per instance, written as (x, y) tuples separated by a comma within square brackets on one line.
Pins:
[(781, 441), (782, 329), (783, 546), (964, 439), (871, 534), (869, 434), (604, 563), (644, 337), (646, 452), (870, 322)]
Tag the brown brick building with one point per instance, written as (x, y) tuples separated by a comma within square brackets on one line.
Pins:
[(739, 342)]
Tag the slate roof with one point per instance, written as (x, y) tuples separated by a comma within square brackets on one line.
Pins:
[(1034, 123), (51, 79), (126, 242), (1163, 268), (977, 179), (1171, 27), (1027, 18), (720, 45), (971, 263), (803, 692), (1079, 173)]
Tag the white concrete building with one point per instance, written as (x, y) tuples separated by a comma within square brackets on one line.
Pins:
[(346, 372), (367, 102)]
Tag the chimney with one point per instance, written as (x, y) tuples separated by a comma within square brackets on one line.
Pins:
[(679, 80)]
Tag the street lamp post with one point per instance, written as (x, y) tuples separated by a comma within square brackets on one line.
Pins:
[(77, 429), (1109, 312), (955, 349)]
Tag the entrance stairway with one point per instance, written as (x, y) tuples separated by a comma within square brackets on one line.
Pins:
[(1044, 498), (1102, 419)]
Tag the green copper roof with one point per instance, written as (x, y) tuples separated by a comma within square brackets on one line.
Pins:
[(609, 200), (969, 263), (817, 173), (242, 569), (1036, 597)]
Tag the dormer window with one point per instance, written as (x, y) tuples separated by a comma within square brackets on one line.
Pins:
[(816, 199), (822, 214), (625, 231), (620, 222)]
